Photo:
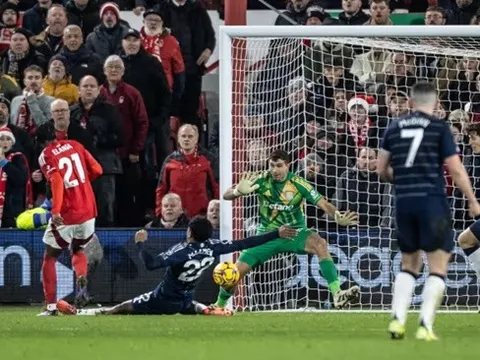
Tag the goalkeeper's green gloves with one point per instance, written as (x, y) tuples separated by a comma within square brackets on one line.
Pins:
[(346, 218), (246, 185)]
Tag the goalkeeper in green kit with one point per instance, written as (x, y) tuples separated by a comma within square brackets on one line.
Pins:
[(282, 197)]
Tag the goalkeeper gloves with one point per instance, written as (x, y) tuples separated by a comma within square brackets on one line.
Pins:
[(246, 185), (346, 218)]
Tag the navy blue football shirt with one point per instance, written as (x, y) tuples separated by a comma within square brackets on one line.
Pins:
[(186, 262), (418, 145)]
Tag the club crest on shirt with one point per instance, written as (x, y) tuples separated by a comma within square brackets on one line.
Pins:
[(288, 193)]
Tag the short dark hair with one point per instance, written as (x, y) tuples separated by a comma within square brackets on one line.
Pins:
[(473, 129), (279, 154), (370, 2), (424, 87), (30, 68), (46, 132), (437, 9), (201, 228)]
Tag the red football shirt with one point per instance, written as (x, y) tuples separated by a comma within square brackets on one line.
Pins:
[(77, 167)]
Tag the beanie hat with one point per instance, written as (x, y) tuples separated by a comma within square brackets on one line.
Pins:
[(5, 131), (318, 12), (365, 101), (19, 30), (110, 6), (4, 100), (9, 6)]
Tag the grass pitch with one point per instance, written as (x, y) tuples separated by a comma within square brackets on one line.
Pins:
[(294, 336)]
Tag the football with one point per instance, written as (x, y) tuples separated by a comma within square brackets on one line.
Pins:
[(226, 274)]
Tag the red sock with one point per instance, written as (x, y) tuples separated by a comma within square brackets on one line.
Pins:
[(79, 262), (49, 278)]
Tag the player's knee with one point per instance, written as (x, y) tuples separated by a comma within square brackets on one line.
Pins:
[(317, 245), (466, 239)]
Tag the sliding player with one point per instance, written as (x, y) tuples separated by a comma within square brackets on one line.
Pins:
[(469, 240), (282, 197), (69, 168), (414, 150), (185, 263)]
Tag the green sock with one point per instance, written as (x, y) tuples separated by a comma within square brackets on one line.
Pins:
[(223, 297), (329, 272)]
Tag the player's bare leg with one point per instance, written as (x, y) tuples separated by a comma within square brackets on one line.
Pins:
[(433, 292), (317, 245), (80, 265), (471, 247), (226, 293), (402, 293), (49, 280)]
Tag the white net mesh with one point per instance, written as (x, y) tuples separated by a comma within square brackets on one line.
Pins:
[(327, 101)]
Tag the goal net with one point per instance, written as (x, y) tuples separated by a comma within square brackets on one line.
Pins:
[(327, 97)]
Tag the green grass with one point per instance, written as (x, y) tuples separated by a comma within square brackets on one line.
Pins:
[(254, 336)]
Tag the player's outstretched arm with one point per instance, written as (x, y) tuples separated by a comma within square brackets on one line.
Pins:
[(245, 186), (150, 262), (460, 178), (226, 247), (343, 218)]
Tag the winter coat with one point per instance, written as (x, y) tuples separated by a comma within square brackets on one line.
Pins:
[(17, 175), (130, 104), (145, 73), (359, 18), (65, 89), (105, 42), (46, 44), (34, 19), (81, 63), (33, 58), (103, 122), (87, 18), (182, 223), (299, 17), (39, 107), (9, 87), (192, 178)]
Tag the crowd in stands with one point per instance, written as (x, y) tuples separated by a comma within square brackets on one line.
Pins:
[(78, 68), (338, 97), (132, 99)]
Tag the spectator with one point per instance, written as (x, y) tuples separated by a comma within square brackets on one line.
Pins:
[(23, 142), (400, 73), (257, 155), (463, 12), (461, 89), (24, 5), (192, 27), (435, 15), (362, 130), (296, 11), (213, 213), (84, 14), (352, 13), (171, 215), (58, 83), (20, 56), (144, 72), (34, 19), (359, 190), (189, 173), (79, 61), (14, 175), (130, 104), (158, 41), (331, 153), (316, 15), (103, 121), (107, 37), (380, 11), (49, 41), (10, 17), (32, 109)]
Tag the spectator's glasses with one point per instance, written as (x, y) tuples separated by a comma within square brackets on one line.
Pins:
[(60, 111)]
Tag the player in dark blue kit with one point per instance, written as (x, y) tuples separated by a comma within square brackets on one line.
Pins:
[(413, 152), (185, 263)]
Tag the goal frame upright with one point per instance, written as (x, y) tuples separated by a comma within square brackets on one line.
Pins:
[(228, 109)]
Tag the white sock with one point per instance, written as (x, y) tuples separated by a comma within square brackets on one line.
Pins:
[(52, 307), (432, 296), (475, 261), (402, 295)]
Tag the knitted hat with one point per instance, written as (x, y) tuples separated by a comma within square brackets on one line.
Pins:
[(28, 34), (5, 131), (4, 100), (153, 12), (9, 6), (60, 58), (110, 6), (318, 12), (365, 101)]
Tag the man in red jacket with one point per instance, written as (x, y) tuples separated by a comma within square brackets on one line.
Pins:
[(189, 173), (130, 103)]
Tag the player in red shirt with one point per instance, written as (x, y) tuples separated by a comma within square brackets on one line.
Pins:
[(68, 168)]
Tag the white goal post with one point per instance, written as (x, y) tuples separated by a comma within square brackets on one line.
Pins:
[(303, 88)]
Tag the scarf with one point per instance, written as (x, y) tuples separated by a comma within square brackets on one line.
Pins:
[(359, 134), (152, 43), (13, 60), (168, 224), (24, 118), (3, 185), (5, 37)]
